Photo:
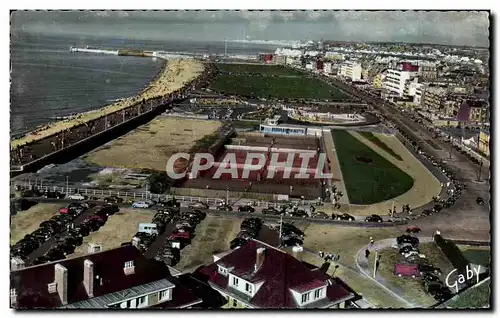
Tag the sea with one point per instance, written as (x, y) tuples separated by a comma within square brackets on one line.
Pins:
[(49, 81)]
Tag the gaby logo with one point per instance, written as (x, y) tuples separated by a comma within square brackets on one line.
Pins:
[(265, 165), (470, 272)]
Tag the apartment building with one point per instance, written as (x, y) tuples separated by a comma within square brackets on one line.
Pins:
[(474, 112), (428, 72), (257, 275), (415, 92), (484, 142), (351, 70), (435, 97), (118, 278), (395, 81)]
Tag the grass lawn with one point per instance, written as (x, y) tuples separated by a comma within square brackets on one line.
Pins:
[(371, 137), (474, 297), (276, 87), (411, 287), (368, 177), (259, 69), (25, 222), (479, 256), (150, 146), (212, 236)]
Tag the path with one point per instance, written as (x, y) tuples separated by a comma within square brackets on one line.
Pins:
[(338, 179), (425, 183)]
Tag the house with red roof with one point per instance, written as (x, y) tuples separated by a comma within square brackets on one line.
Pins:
[(257, 275), (116, 278)]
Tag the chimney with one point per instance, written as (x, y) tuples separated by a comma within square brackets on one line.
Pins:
[(88, 277), (297, 252), (16, 263), (61, 279), (94, 248), (129, 268), (259, 259)]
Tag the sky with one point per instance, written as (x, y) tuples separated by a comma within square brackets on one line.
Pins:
[(440, 27)]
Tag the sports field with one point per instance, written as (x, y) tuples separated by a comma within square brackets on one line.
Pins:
[(258, 69), (368, 177)]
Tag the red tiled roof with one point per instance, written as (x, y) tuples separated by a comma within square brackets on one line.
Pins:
[(31, 282), (280, 272), (181, 297)]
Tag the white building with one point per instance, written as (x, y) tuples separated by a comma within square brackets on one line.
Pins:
[(327, 68), (351, 70), (416, 91), (395, 81)]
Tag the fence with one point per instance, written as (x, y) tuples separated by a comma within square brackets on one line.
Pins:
[(143, 195)]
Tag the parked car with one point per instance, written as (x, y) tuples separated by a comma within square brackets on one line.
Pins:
[(237, 242), (426, 212), (41, 260), (345, 217), (271, 210), (140, 204), (224, 207), (172, 203), (201, 215), (373, 218), (319, 215), (292, 241), (199, 205), (413, 229), (408, 248), (406, 270), (246, 208), (480, 200), (442, 294), (76, 196), (407, 239), (425, 268), (299, 214), (113, 199)]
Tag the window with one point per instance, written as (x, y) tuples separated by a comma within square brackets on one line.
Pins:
[(222, 270), (248, 288), (235, 281), (162, 295), (129, 264), (305, 298), (141, 301), (235, 302), (318, 293), (13, 292)]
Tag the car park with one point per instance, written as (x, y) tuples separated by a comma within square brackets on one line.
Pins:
[(180, 235), (425, 268), (408, 248), (246, 209), (373, 218)]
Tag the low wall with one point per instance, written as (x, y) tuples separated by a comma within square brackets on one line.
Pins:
[(266, 149), (211, 193)]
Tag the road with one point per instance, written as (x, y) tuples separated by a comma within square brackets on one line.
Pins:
[(466, 219)]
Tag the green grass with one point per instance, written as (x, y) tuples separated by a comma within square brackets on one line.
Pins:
[(276, 87), (474, 297), (371, 137), (259, 69), (367, 183), (478, 256)]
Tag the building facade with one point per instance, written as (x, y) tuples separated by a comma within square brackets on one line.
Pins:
[(257, 275), (120, 278), (350, 70), (395, 81), (484, 142), (434, 98)]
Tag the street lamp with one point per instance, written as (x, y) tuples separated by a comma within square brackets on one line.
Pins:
[(336, 267), (67, 185)]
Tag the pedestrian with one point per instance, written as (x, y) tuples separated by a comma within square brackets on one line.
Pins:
[(367, 253), (371, 241), (321, 254)]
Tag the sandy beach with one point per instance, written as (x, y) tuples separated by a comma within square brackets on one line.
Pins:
[(174, 76)]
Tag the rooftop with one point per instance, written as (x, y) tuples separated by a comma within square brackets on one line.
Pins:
[(280, 273)]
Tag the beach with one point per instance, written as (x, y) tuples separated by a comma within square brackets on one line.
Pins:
[(175, 74)]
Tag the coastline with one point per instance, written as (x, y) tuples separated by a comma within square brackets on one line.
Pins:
[(174, 74)]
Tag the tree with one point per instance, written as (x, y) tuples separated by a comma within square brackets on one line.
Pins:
[(158, 182)]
